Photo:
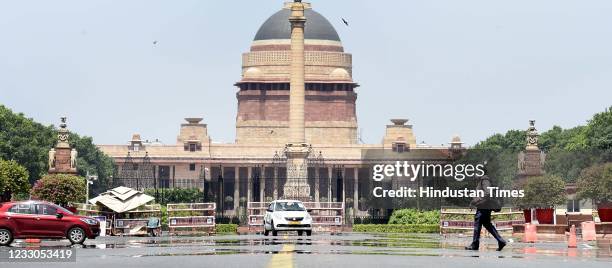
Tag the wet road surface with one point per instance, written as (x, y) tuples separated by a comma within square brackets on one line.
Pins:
[(324, 250)]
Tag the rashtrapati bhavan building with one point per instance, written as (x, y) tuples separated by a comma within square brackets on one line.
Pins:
[(305, 138)]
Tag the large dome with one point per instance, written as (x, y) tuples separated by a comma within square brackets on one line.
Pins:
[(278, 27)]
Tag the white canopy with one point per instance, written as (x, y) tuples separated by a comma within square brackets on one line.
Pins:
[(122, 199)]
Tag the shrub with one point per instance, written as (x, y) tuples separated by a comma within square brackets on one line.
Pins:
[(226, 228), (176, 195), (413, 216), (60, 189), (164, 217), (396, 228)]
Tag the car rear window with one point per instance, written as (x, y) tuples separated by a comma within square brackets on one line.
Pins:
[(22, 209)]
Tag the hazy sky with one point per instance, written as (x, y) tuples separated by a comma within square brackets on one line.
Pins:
[(471, 68)]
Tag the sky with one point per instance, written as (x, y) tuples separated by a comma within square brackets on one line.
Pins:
[(468, 68)]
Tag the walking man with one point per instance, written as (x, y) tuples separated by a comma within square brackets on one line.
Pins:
[(484, 206)]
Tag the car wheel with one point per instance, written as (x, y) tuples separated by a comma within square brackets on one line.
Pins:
[(300, 233), (6, 237), (274, 233), (266, 232), (76, 235), (308, 233)]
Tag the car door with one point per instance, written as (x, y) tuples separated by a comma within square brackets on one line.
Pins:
[(22, 214), (47, 223)]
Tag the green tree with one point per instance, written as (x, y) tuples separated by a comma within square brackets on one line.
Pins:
[(513, 140), (596, 183), (598, 132), (60, 189), (91, 159), (28, 143), (542, 192), (565, 139), (568, 164), (13, 180), (25, 141)]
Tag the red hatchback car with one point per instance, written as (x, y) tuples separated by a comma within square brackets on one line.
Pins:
[(37, 219)]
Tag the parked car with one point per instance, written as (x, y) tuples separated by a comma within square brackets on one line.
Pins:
[(287, 215), (38, 219)]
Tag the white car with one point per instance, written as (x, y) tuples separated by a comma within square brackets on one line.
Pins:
[(287, 215)]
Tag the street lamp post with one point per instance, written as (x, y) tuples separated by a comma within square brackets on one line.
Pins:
[(89, 179)]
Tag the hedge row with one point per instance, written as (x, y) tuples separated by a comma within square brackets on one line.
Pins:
[(413, 216), (227, 228), (396, 228)]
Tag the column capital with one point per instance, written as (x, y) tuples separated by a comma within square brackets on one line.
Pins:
[(297, 17)]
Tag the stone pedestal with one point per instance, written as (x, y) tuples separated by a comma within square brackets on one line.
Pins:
[(62, 158), (297, 186), (63, 162)]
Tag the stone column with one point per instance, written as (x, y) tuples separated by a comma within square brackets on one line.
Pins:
[(262, 184), (317, 178), (236, 189), (207, 179), (249, 183), (297, 84), (275, 184), (297, 150), (330, 171), (343, 172), (356, 190)]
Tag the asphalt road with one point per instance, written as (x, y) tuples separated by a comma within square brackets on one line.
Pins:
[(322, 250)]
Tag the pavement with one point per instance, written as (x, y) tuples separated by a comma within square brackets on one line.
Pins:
[(323, 250)]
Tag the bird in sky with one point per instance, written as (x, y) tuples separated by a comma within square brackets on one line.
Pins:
[(155, 42), (345, 22)]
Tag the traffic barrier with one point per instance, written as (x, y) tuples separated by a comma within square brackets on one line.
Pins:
[(588, 231), (530, 233), (571, 242)]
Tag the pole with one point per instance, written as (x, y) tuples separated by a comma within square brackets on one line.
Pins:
[(87, 188)]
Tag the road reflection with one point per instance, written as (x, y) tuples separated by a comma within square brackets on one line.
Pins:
[(350, 243)]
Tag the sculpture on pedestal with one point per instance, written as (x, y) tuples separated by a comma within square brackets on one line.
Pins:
[(63, 158)]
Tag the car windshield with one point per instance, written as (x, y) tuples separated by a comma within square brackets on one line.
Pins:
[(290, 206)]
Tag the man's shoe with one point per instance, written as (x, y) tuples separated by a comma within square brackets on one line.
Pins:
[(501, 245), (471, 247)]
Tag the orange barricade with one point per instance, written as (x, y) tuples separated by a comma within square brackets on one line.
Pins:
[(571, 242), (530, 233), (588, 231)]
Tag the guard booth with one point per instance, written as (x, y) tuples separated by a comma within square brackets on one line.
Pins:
[(190, 218), (326, 216)]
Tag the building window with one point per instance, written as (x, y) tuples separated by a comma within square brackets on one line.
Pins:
[(573, 205), (192, 167), (136, 147), (399, 147), (193, 147)]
